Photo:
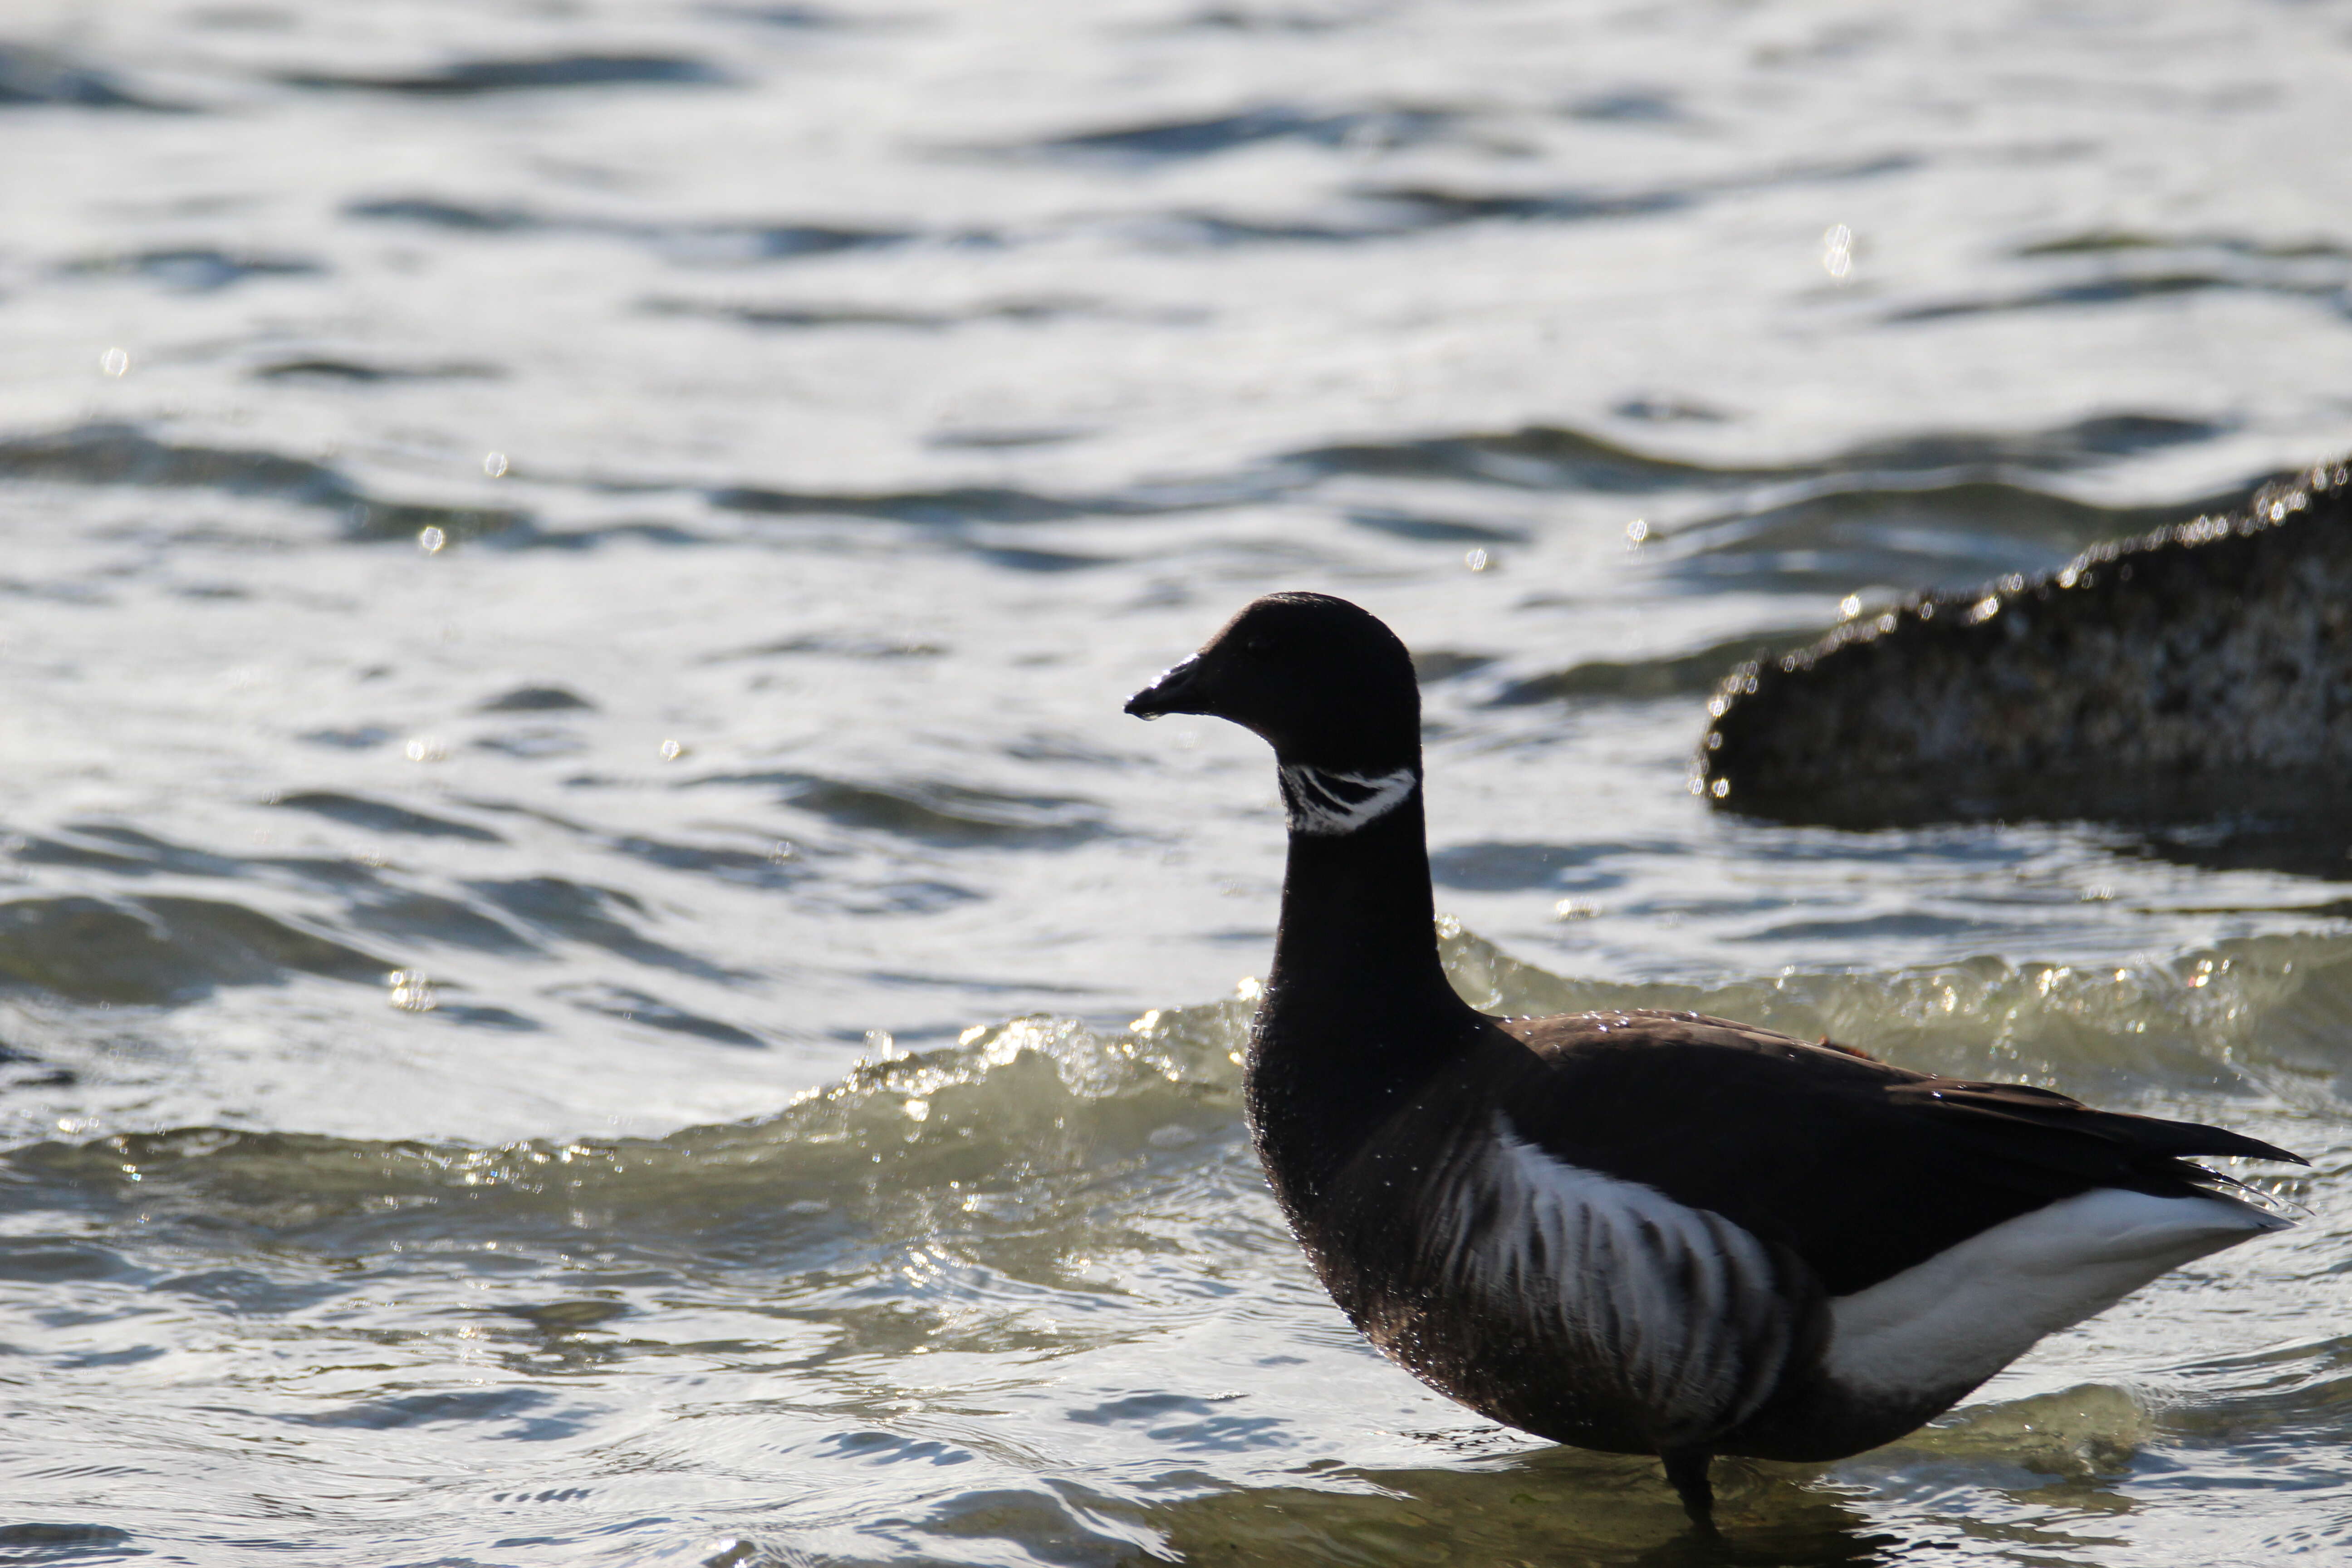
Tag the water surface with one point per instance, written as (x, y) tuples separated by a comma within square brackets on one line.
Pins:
[(591, 971)]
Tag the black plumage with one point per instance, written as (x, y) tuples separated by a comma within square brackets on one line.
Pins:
[(1637, 1231)]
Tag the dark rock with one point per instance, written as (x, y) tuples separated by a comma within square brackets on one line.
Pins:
[(2202, 667)]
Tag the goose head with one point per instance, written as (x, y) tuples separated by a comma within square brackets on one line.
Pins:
[(1320, 679)]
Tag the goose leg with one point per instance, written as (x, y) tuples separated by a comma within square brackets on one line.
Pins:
[(1686, 1468)]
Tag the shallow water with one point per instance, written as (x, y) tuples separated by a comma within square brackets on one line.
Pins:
[(570, 576)]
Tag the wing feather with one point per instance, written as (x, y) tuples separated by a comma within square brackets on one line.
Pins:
[(1860, 1169)]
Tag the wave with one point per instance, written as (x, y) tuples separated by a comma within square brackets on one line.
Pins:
[(1692, 674), (350, 918), (2113, 268), (1026, 1100), (159, 949), (381, 817), (1544, 457), (536, 699), (194, 269), (31, 76), (796, 19), (1063, 1213), (968, 503), (566, 910), (1874, 502), (813, 316), (471, 79), (327, 367), (1941, 536), (2105, 242), (934, 810), (710, 242), (1372, 210), (1356, 129), (634, 1006), (1253, 18), (116, 454)]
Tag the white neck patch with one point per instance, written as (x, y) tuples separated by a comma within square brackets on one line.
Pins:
[(1323, 804)]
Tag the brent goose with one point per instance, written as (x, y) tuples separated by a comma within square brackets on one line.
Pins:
[(1643, 1232)]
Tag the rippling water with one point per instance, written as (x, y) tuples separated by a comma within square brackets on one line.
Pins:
[(591, 971)]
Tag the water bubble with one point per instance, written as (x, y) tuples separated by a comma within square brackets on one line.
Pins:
[(427, 748), (1637, 530), (1720, 788), (1575, 909), (1849, 606), (1984, 609), (431, 540), (115, 361), (672, 749), (1476, 559), (493, 464)]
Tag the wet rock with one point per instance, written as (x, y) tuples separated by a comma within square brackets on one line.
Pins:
[(2202, 667)]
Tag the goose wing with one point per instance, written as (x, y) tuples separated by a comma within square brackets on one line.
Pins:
[(1862, 1169)]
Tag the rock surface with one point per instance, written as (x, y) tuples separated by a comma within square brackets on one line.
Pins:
[(2200, 666)]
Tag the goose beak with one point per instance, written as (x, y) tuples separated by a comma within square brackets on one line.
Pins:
[(1173, 692)]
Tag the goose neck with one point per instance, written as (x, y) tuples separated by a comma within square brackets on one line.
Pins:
[(1359, 921)]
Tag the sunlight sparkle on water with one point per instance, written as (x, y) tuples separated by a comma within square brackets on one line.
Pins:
[(1837, 253)]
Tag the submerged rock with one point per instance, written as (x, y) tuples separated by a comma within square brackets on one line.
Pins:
[(2204, 667)]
